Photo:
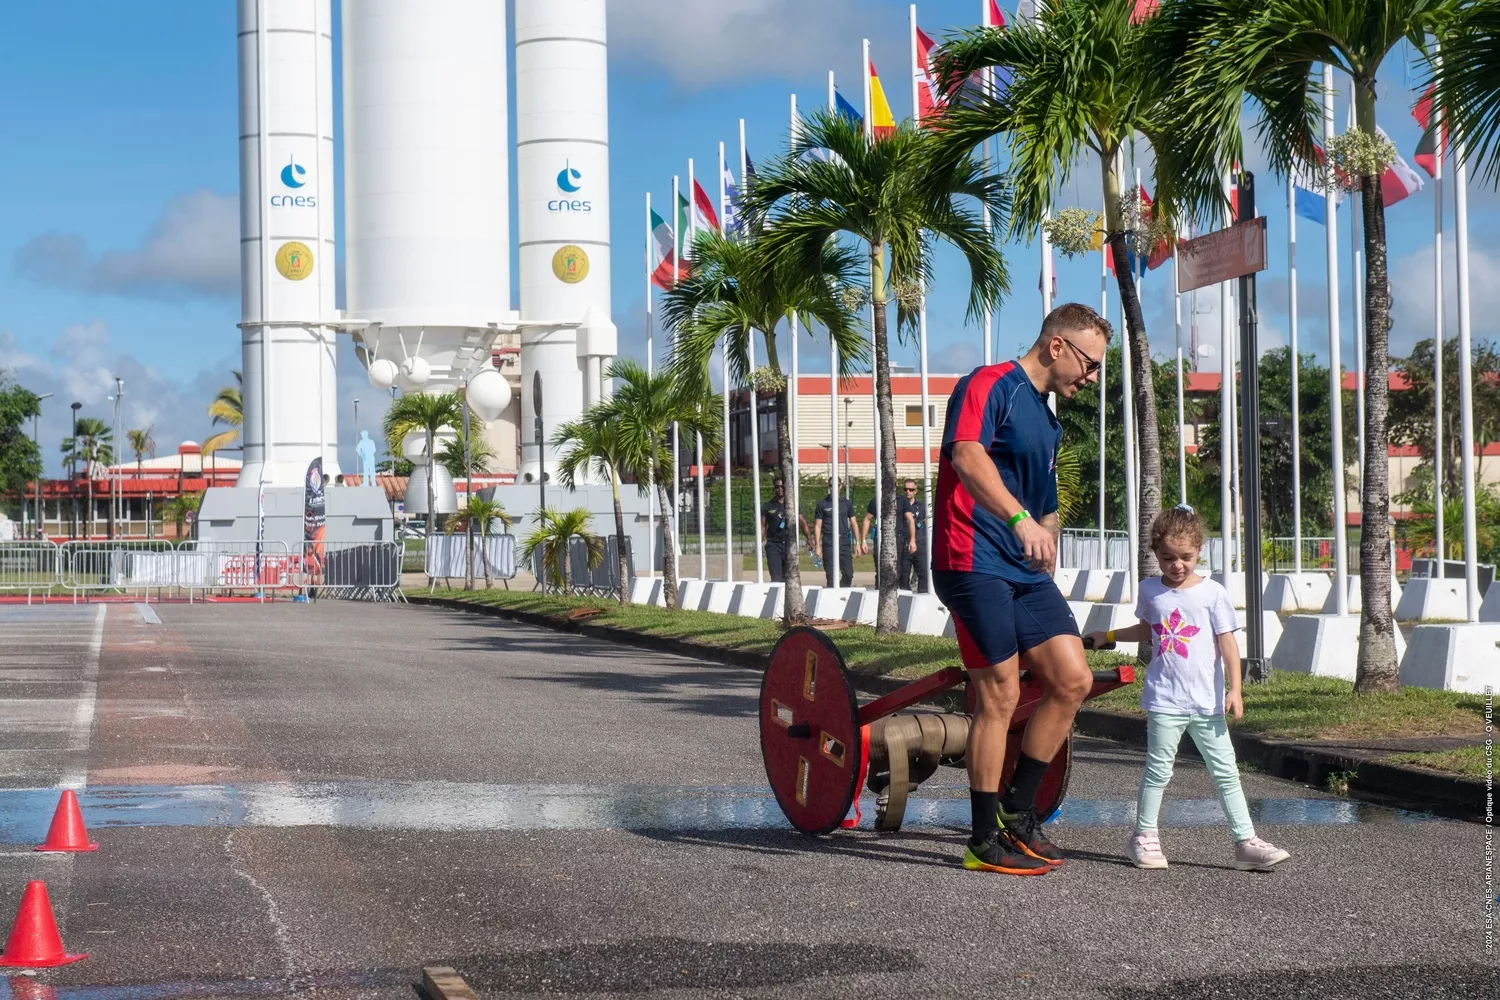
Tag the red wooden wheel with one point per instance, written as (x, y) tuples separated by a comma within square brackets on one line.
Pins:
[(810, 736)]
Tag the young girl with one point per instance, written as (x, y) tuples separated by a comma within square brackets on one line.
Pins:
[(1190, 623)]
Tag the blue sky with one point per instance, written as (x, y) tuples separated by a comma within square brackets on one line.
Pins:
[(118, 196)]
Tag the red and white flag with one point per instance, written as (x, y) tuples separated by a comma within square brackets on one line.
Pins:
[(703, 209), (1399, 181)]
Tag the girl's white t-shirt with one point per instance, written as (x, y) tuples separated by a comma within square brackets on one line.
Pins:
[(1186, 674)]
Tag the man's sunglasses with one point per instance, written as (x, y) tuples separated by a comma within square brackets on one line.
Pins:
[(1090, 366)]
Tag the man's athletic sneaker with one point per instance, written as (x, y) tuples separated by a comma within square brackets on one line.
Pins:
[(994, 856), (1022, 832)]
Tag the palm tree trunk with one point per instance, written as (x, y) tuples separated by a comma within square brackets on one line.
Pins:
[(668, 544), (565, 563), (1376, 669), (614, 483), (1143, 382), (484, 555), (885, 559), (794, 610)]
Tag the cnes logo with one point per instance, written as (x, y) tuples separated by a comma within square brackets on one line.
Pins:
[(293, 176), (569, 182)]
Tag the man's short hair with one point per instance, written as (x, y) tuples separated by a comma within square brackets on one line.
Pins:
[(905, 481), (1070, 317)]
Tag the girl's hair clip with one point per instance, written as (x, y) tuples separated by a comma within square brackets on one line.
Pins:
[(1185, 506)]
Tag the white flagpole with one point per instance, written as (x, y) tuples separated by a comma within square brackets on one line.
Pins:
[(984, 210), (1103, 395), (1226, 419), (1465, 373), (651, 479), (874, 393), (1291, 257), (916, 114), (835, 525), (760, 567), (1132, 494), (1181, 396), (677, 242), (698, 444), (729, 567), (1335, 371), (794, 488), (1437, 360)]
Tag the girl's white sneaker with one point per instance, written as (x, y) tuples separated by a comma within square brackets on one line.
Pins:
[(1257, 855), (1144, 851)]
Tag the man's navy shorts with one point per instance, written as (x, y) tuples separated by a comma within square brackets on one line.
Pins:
[(995, 618)]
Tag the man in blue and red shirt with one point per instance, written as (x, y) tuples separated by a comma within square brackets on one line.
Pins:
[(994, 547)]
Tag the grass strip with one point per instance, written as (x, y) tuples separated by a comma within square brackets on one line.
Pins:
[(1289, 706), (1467, 761)]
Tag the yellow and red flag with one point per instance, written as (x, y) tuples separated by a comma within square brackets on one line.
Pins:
[(882, 122)]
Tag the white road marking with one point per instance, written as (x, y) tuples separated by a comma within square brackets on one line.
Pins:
[(81, 731)]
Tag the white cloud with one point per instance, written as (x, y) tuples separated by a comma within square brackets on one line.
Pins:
[(701, 43), (1411, 295), (191, 250)]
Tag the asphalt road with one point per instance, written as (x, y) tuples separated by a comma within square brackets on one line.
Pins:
[(318, 800)]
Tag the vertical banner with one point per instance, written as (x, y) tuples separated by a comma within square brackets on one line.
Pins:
[(314, 523)]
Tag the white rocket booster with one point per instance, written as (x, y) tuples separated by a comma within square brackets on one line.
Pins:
[(562, 179), (286, 246)]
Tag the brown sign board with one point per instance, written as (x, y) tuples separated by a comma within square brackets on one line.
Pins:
[(1222, 255)]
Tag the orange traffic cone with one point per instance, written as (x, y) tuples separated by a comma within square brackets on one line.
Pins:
[(34, 942), (67, 832)]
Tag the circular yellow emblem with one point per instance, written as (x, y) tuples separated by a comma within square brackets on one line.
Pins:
[(570, 264), (294, 261)]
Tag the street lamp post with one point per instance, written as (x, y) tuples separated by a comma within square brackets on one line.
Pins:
[(73, 473), (115, 504), (848, 433), (36, 435)]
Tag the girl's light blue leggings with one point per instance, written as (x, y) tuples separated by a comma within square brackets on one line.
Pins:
[(1211, 734)]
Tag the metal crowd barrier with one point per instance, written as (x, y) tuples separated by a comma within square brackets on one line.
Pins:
[(226, 567), (119, 566), (34, 566), (351, 570), (446, 558), (602, 581), (359, 571)]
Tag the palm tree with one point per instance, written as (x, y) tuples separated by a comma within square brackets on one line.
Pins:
[(896, 194), (142, 444), (644, 409), (481, 513), (736, 288), (553, 535), (1268, 50), (451, 455), (596, 447), (92, 444), (425, 413), (177, 509), (1084, 78), (227, 409)]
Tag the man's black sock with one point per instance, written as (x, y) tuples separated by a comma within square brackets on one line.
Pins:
[(1023, 784), (986, 808)]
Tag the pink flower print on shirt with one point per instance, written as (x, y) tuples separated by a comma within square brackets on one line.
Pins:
[(1174, 634)]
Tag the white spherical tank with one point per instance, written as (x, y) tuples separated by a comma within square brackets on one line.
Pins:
[(287, 240), (488, 394), (426, 182), (562, 198), (383, 373)]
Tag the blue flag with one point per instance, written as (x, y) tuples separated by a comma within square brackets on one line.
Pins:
[(847, 110)]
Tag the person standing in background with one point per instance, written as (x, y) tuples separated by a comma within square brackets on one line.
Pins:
[(774, 524)]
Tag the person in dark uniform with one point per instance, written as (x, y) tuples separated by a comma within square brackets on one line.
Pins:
[(823, 529), (774, 524), (913, 547)]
